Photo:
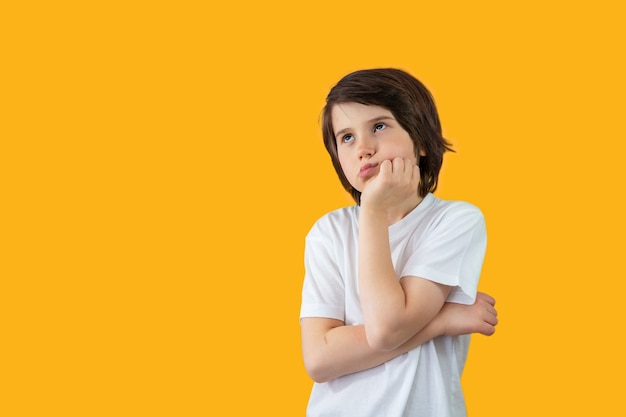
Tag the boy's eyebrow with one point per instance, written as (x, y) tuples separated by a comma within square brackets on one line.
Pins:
[(374, 120)]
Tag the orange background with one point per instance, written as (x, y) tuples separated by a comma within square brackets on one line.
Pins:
[(162, 163)]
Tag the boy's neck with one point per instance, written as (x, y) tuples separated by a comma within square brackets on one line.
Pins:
[(400, 212)]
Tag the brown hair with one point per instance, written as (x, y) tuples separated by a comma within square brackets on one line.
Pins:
[(411, 104)]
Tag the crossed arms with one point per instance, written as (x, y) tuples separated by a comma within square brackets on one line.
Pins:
[(332, 349)]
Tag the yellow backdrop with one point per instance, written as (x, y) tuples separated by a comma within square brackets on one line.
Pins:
[(162, 163)]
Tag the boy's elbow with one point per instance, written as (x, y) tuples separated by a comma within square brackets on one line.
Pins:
[(316, 369), (319, 378), (382, 340)]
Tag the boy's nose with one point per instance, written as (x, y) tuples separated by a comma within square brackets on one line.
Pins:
[(366, 148)]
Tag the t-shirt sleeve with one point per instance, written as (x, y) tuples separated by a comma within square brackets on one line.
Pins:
[(323, 293), (452, 253)]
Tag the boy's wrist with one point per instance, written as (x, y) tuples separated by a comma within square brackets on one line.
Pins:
[(370, 211)]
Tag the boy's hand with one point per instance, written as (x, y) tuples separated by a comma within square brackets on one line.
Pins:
[(480, 317), (396, 181)]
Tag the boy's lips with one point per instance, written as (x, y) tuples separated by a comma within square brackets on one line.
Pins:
[(367, 170)]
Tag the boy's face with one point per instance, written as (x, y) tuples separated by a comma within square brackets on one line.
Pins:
[(366, 136)]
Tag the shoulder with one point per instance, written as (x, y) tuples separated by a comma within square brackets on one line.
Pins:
[(437, 215), (335, 222), (454, 209)]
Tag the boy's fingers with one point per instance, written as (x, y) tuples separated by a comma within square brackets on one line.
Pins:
[(386, 166), (398, 165), (488, 330), (486, 297)]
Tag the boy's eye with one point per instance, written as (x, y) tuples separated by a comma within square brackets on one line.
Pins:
[(379, 126), (347, 138)]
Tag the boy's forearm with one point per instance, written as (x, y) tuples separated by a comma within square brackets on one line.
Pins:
[(383, 300), (347, 351)]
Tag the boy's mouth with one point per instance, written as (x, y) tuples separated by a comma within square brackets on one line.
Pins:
[(367, 170)]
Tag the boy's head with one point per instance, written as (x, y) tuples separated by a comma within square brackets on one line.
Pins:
[(411, 104)]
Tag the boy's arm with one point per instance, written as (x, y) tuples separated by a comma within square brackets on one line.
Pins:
[(331, 349), (393, 310)]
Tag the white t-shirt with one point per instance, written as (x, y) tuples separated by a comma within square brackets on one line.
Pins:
[(443, 241)]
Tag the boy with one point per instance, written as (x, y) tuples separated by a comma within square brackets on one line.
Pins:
[(389, 295)]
